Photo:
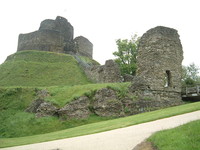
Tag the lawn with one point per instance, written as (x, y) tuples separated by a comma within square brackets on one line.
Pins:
[(102, 126), (185, 137), (61, 95)]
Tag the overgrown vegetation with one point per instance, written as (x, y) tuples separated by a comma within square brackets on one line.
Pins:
[(62, 95), (185, 137), (15, 122), (38, 68), (190, 75), (126, 55), (102, 126), (121, 89)]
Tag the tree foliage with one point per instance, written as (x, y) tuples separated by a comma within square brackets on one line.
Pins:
[(190, 75), (126, 55)]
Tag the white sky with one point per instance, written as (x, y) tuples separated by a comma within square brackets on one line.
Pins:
[(103, 22)]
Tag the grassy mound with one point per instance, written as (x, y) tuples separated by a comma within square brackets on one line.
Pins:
[(15, 122), (38, 68)]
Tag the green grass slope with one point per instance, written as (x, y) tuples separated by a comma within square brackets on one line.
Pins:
[(60, 95), (26, 72), (39, 68), (185, 137), (15, 122)]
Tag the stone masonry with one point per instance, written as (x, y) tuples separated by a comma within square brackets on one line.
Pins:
[(55, 36), (107, 73), (159, 63), (83, 46)]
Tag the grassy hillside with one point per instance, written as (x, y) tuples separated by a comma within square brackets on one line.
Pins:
[(26, 72), (63, 94), (38, 68), (15, 122)]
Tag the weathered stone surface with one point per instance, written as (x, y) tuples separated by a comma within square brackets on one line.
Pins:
[(44, 40), (107, 104), (159, 59), (42, 108), (142, 103), (60, 25), (77, 109), (55, 36), (34, 106), (109, 72), (130, 106), (128, 78), (83, 46), (159, 63), (138, 83), (46, 109)]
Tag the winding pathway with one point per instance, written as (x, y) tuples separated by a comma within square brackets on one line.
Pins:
[(118, 139)]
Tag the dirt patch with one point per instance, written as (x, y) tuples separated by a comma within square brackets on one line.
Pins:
[(145, 145)]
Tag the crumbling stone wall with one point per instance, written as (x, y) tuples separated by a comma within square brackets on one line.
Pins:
[(41, 40), (55, 36), (107, 73), (159, 63), (60, 25), (83, 46), (106, 102)]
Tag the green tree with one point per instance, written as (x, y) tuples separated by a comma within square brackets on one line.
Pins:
[(190, 74), (126, 55)]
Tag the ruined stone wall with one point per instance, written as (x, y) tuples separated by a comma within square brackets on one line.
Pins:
[(41, 40), (160, 58), (55, 36), (159, 61), (83, 46), (105, 102), (109, 72), (60, 25), (51, 36)]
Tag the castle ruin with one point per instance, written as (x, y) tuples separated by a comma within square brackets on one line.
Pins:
[(157, 83), (56, 36), (159, 58), (159, 64)]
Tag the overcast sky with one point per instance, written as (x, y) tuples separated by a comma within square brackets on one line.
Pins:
[(103, 22)]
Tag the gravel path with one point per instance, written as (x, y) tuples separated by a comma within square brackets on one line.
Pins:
[(119, 139)]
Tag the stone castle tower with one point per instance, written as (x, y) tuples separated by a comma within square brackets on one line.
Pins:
[(55, 36), (159, 62)]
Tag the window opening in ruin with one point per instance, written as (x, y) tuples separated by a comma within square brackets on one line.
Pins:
[(168, 79)]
